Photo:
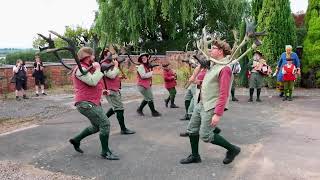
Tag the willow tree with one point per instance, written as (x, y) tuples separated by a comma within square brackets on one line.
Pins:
[(173, 22), (311, 54), (275, 17), (143, 20), (222, 16)]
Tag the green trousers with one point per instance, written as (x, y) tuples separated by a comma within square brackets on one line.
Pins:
[(288, 87), (99, 122)]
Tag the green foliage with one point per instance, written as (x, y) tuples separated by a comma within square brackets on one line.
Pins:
[(275, 17), (256, 6), (301, 34), (148, 22), (29, 56), (183, 74), (311, 54), (73, 33)]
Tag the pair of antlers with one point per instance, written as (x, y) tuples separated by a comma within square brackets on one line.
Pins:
[(203, 43), (52, 49)]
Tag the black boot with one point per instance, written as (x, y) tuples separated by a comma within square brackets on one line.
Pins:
[(153, 110), (123, 127), (166, 101), (232, 152), (194, 157), (76, 145), (233, 98), (281, 94), (285, 98), (110, 112), (172, 105), (140, 109), (106, 152), (184, 134), (216, 130), (186, 105), (185, 117), (258, 95), (251, 90), (76, 140), (25, 97)]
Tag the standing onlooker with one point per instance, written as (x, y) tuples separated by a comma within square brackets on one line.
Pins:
[(288, 71), (38, 75), (282, 61), (256, 71), (20, 72), (236, 69)]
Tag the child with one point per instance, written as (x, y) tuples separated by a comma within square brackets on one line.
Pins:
[(170, 83), (288, 71)]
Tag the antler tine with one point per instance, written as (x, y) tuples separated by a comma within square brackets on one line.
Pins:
[(236, 40), (72, 49), (52, 46)]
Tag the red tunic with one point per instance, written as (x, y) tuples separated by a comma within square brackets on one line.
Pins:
[(169, 79), (289, 75)]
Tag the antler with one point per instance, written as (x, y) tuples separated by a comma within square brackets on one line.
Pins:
[(52, 46), (250, 33), (71, 48)]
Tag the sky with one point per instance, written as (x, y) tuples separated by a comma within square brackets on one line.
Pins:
[(21, 20)]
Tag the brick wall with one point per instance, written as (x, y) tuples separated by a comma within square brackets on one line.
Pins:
[(57, 75)]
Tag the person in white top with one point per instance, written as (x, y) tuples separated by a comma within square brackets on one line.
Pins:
[(20, 74)]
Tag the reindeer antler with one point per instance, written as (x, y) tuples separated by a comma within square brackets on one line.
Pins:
[(71, 48), (250, 33), (51, 45)]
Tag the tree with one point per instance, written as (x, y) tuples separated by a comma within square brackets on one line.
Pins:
[(168, 24), (256, 6), (275, 17), (311, 54)]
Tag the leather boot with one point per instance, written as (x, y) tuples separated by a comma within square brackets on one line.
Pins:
[(251, 90), (184, 134), (232, 152), (153, 110), (186, 105), (106, 152), (172, 105), (110, 112), (123, 127), (140, 109), (166, 101), (76, 140), (194, 157), (233, 98), (185, 117), (258, 95)]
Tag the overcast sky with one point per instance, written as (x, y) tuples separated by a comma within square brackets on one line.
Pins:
[(21, 20)]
